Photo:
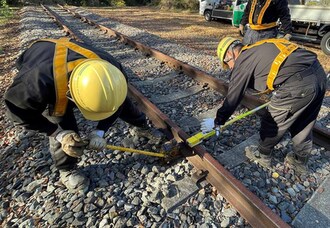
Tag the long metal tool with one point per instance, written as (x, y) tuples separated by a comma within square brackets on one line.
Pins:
[(148, 153), (199, 137)]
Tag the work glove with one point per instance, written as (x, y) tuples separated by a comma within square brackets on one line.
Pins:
[(96, 140), (207, 125), (71, 143), (287, 36)]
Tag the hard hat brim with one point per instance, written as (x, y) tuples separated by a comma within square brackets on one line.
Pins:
[(222, 49), (95, 116)]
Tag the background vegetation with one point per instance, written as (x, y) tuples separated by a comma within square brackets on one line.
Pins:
[(168, 4), (190, 5), (164, 4)]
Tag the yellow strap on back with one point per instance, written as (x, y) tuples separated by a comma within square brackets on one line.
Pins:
[(285, 47), (263, 26), (280, 58), (61, 68), (60, 72), (259, 25), (71, 65), (273, 40)]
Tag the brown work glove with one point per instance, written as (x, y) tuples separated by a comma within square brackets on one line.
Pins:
[(287, 36), (96, 140), (71, 143)]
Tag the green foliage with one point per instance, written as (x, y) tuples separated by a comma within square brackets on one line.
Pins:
[(325, 2), (179, 4), (118, 3), (318, 3), (4, 9), (154, 2), (192, 4)]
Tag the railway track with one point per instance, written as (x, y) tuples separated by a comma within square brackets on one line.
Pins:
[(173, 87)]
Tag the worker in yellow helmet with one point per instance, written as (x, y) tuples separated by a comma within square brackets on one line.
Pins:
[(297, 82), (56, 75)]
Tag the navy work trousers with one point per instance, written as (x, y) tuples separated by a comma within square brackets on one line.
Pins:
[(294, 107), (252, 36)]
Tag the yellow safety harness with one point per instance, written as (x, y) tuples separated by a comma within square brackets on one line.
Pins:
[(61, 68), (285, 47), (259, 25)]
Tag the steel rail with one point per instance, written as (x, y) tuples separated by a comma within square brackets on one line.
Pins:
[(60, 22), (246, 203), (321, 135)]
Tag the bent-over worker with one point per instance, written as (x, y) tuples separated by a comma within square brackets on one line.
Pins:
[(56, 75), (298, 84)]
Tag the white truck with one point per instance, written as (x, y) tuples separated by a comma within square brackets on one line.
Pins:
[(310, 23)]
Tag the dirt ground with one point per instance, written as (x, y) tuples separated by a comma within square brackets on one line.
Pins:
[(189, 29), (9, 47)]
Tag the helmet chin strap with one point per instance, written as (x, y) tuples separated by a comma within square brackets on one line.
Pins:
[(233, 54)]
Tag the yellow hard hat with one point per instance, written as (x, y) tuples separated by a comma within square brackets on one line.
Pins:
[(98, 88), (222, 49)]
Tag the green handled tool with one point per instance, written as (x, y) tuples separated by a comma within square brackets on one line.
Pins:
[(199, 137)]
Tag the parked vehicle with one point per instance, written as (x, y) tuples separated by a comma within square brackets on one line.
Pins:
[(223, 9), (310, 23)]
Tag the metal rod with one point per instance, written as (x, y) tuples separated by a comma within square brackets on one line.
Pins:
[(125, 149)]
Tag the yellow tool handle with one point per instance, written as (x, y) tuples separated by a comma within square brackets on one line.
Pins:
[(199, 137), (125, 149)]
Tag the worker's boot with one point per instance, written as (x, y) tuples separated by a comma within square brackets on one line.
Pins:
[(74, 181), (254, 154), (154, 135), (298, 164)]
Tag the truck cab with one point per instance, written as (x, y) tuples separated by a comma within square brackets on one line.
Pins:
[(223, 9)]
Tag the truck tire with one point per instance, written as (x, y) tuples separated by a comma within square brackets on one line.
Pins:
[(325, 43), (208, 15)]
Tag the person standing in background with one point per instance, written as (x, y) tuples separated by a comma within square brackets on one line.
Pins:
[(261, 17)]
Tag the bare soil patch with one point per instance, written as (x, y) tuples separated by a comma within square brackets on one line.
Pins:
[(9, 49), (189, 29)]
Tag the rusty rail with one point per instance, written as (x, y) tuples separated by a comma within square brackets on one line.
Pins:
[(321, 136), (246, 203)]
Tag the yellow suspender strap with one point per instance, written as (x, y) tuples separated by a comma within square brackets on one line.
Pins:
[(263, 26), (285, 47), (280, 58), (253, 6), (262, 12), (61, 68), (259, 25), (76, 48), (71, 65), (262, 42), (60, 72)]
